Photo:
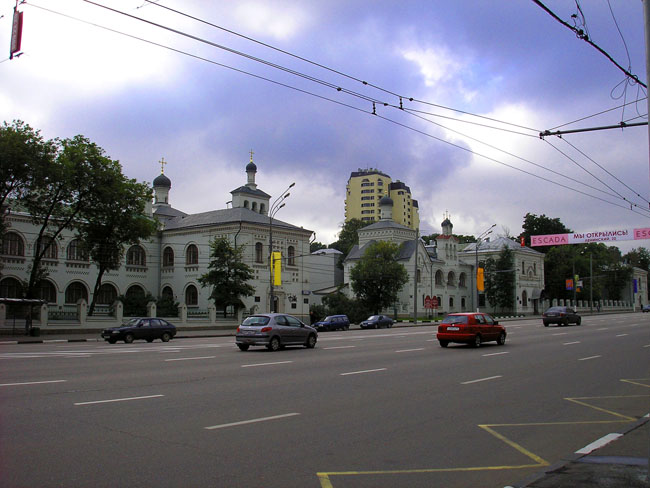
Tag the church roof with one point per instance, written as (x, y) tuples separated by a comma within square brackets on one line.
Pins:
[(250, 191), (226, 216), (406, 250), (168, 211), (385, 224), (162, 180)]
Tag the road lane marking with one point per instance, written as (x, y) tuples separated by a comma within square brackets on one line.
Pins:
[(364, 371), (495, 354), (338, 347), (560, 333), (411, 350), (191, 359), (569, 343), (481, 379), (603, 328), (120, 399), (606, 439), (621, 335), (264, 364), (590, 357), (252, 421), (33, 383)]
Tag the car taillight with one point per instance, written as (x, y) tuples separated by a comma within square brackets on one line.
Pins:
[(267, 329), (562, 314), (238, 330)]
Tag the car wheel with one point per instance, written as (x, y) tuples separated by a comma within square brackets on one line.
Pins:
[(565, 323), (128, 339), (243, 347), (444, 343), (347, 327), (477, 341), (311, 341), (274, 345), (390, 325), (579, 321), (165, 337), (502, 339), (545, 324), (112, 341)]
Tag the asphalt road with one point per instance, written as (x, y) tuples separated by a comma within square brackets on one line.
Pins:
[(371, 408)]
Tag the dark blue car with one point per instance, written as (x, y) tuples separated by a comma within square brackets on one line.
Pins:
[(376, 322), (147, 328), (333, 322)]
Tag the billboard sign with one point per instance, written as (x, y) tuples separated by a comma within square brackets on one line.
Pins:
[(610, 235)]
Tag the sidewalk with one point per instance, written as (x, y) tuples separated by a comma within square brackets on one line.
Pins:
[(618, 460)]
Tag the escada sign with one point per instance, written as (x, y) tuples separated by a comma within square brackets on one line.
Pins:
[(585, 237)]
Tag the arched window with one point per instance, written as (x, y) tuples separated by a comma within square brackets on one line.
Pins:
[(262, 208), (462, 303), (451, 303), (46, 291), (76, 251), (254, 207), (168, 293), (259, 258), (191, 296), (13, 245), (135, 291), (438, 277), (11, 288), (451, 278), (107, 294), (51, 251), (168, 257), (135, 256), (75, 292), (418, 275), (191, 255), (291, 256), (524, 299), (245, 203), (462, 280)]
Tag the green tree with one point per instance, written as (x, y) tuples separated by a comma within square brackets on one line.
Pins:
[(316, 246), (348, 237), (113, 219), (638, 257), (377, 278), (505, 279), (490, 282), (227, 275), (338, 303), (535, 225)]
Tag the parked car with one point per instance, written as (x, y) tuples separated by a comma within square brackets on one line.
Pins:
[(333, 322), (376, 322), (470, 328), (561, 316), (147, 328), (646, 308), (274, 330)]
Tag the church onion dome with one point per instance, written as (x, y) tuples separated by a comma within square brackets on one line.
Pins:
[(386, 200), (251, 167), (162, 180), (446, 222)]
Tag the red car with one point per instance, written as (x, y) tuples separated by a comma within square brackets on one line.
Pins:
[(470, 328)]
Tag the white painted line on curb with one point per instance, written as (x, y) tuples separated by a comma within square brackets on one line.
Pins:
[(603, 328), (560, 333), (33, 383), (338, 347), (411, 350), (495, 354), (191, 359), (598, 444), (252, 421), (264, 364), (479, 380), (364, 371), (590, 357), (120, 399), (569, 343)]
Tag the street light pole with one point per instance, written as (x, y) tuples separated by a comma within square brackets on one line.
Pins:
[(479, 239), (277, 205)]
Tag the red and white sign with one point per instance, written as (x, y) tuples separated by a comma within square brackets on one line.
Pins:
[(16, 33), (431, 302), (585, 237)]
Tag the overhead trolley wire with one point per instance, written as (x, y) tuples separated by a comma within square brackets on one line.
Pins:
[(358, 109)]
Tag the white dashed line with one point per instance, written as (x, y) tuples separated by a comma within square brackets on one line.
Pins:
[(33, 383), (621, 335), (479, 380), (252, 421), (190, 359), (411, 350), (120, 400), (264, 364), (495, 354), (590, 357), (338, 347), (569, 343), (364, 371)]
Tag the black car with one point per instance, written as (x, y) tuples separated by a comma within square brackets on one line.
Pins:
[(147, 328), (376, 322), (646, 308), (561, 316), (333, 322)]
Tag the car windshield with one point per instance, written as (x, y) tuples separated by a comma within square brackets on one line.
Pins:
[(374, 317), (132, 322), (328, 319), (455, 319), (256, 320)]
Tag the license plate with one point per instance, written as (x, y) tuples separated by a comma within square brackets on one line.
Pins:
[(453, 328), (249, 332)]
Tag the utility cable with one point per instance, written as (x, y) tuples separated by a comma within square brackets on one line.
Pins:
[(599, 113), (582, 35)]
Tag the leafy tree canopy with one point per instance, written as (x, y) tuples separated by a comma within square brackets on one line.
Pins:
[(377, 278), (638, 257), (227, 275), (316, 246), (535, 225)]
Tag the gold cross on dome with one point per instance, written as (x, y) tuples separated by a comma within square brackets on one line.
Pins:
[(252, 155), (162, 166)]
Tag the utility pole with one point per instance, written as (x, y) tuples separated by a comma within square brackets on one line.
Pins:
[(415, 279), (646, 18)]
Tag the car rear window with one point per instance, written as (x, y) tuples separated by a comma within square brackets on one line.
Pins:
[(256, 320), (455, 319), (556, 309)]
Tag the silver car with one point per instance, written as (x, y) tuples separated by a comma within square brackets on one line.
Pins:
[(274, 330)]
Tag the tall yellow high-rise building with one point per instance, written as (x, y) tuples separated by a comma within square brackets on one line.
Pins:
[(364, 190)]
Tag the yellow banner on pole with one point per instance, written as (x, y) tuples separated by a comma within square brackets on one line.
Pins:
[(276, 267), (480, 279)]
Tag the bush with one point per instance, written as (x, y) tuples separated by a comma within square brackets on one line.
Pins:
[(166, 307), (338, 303)]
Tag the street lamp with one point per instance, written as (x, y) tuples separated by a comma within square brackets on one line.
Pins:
[(277, 205), (480, 239)]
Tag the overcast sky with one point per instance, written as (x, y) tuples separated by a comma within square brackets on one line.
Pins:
[(506, 61)]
